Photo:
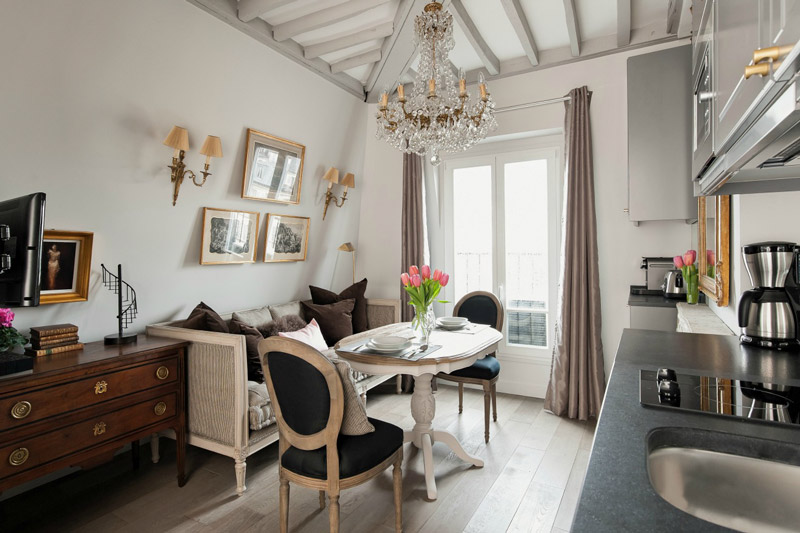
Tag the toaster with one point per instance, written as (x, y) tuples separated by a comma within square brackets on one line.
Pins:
[(673, 286)]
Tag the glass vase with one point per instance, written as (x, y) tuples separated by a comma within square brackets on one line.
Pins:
[(424, 323), (692, 289)]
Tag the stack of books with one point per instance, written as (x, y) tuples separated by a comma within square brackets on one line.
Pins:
[(49, 340)]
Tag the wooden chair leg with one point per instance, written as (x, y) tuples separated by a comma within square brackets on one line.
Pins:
[(322, 499), (398, 383), (333, 512), (460, 398), (284, 503), (494, 401), (397, 473), (487, 393)]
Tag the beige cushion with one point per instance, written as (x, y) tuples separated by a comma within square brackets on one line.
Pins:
[(258, 318), (291, 308), (259, 409), (354, 420)]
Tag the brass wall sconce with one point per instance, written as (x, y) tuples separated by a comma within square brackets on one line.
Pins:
[(178, 139), (332, 177)]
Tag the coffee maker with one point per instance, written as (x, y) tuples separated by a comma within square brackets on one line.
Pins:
[(769, 314)]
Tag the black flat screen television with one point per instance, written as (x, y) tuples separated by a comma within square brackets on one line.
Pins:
[(21, 232)]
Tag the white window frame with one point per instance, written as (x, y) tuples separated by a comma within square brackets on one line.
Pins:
[(496, 155)]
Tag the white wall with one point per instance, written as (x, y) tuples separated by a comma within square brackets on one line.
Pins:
[(89, 91), (756, 218), (621, 245)]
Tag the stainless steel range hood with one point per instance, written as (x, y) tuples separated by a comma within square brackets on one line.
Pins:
[(764, 157)]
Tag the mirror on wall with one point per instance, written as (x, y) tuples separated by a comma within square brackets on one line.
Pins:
[(713, 232)]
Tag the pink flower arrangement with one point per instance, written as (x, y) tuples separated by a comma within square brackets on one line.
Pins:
[(423, 286), (686, 263), (9, 337)]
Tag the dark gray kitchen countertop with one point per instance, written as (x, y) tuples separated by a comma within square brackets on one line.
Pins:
[(617, 495), (653, 300)]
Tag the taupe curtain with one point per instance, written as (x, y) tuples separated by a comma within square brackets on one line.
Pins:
[(413, 232), (577, 377)]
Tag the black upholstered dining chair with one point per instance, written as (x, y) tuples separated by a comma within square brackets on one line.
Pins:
[(307, 396), (479, 307)]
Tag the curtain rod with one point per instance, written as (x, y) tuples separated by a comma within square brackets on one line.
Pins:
[(531, 104)]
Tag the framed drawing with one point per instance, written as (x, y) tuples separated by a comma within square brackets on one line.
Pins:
[(66, 264), (273, 169), (286, 238), (229, 237)]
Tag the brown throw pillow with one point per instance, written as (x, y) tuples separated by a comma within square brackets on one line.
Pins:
[(335, 320), (204, 318), (354, 417), (251, 339), (356, 291)]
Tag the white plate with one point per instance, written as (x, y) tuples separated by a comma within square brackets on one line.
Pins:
[(378, 349), (389, 341), (453, 320)]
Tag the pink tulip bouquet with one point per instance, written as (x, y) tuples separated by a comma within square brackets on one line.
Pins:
[(9, 337), (423, 287), (687, 264)]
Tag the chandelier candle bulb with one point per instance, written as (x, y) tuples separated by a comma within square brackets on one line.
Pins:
[(431, 87), (384, 100), (401, 93)]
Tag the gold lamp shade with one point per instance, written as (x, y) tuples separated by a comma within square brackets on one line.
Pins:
[(349, 180), (332, 175), (347, 247), (178, 139), (212, 147)]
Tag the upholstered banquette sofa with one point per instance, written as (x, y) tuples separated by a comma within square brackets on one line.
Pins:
[(223, 406)]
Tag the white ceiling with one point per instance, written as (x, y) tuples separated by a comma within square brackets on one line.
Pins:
[(601, 25)]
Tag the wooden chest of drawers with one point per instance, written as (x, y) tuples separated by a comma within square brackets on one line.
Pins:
[(78, 408)]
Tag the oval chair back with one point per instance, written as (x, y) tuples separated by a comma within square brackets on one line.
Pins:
[(481, 307)]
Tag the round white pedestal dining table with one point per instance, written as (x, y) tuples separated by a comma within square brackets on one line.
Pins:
[(458, 350)]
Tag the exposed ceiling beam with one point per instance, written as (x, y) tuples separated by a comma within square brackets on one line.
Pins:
[(518, 20), (324, 17), (359, 36), (623, 22), (364, 58), (685, 24), (397, 48), (250, 9), (572, 27), (474, 37), (226, 10)]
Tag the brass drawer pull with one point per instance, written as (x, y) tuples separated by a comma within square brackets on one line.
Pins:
[(773, 53), (761, 69), (21, 410), (160, 408), (99, 428), (162, 372), (100, 387), (18, 456)]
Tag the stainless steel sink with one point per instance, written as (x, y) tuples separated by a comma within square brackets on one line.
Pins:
[(729, 480)]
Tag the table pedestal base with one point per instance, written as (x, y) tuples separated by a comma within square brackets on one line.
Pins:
[(423, 409)]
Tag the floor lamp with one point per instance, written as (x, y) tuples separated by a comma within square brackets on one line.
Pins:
[(348, 247)]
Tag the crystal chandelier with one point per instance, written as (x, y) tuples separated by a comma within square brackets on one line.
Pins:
[(439, 115)]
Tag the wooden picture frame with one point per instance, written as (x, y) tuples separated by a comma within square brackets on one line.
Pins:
[(714, 263), (273, 169), (229, 237), (66, 265), (286, 238)]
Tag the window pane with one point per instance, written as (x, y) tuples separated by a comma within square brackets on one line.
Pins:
[(526, 252), (472, 229)]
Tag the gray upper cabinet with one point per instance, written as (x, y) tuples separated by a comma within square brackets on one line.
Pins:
[(659, 136)]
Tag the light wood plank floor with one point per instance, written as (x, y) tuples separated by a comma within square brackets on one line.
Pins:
[(535, 464)]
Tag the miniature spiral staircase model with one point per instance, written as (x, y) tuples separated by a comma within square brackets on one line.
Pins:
[(127, 307)]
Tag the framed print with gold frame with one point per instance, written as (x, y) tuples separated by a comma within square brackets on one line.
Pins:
[(66, 265), (286, 238), (273, 168), (229, 237)]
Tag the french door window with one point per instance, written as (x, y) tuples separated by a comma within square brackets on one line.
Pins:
[(502, 236)]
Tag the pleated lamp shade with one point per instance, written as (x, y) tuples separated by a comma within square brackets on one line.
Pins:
[(212, 147), (349, 180), (178, 138), (332, 175)]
